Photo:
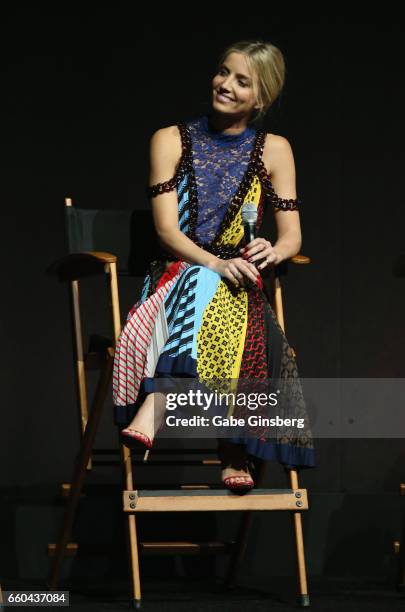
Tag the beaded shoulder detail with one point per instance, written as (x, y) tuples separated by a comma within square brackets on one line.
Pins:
[(278, 203), (183, 166), (186, 165)]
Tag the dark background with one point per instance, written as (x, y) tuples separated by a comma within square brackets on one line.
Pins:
[(81, 95)]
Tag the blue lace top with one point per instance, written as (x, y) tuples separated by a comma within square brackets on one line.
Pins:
[(220, 161)]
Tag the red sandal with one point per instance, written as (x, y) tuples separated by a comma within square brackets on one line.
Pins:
[(245, 486), (130, 437)]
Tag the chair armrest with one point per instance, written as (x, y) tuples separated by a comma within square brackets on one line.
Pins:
[(300, 259), (79, 265), (281, 269)]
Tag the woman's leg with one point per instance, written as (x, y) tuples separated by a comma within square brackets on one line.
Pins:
[(232, 456), (234, 461), (150, 415)]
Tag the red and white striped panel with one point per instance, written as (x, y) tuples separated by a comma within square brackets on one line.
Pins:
[(132, 359)]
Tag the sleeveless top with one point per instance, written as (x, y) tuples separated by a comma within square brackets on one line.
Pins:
[(220, 161), (212, 179)]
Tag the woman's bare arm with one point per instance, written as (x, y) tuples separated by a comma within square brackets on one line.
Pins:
[(165, 153), (279, 161)]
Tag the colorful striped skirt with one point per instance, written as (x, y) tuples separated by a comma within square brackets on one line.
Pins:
[(190, 323)]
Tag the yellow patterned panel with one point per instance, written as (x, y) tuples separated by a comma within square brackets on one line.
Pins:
[(234, 234), (221, 338)]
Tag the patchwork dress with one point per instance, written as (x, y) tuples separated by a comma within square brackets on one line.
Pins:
[(191, 322)]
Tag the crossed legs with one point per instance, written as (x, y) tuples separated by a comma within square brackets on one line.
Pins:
[(149, 418)]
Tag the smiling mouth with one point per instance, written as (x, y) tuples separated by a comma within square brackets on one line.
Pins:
[(221, 95)]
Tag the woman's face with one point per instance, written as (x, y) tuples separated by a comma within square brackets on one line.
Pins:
[(234, 86)]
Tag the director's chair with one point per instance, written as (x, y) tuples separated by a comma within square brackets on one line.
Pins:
[(90, 238)]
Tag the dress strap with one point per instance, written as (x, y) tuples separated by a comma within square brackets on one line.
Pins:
[(278, 203), (182, 167)]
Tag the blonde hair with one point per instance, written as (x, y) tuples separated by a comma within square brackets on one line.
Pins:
[(267, 62)]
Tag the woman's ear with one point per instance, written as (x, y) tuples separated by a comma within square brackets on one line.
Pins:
[(259, 103)]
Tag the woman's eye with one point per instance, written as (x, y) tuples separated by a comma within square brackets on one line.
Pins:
[(242, 83)]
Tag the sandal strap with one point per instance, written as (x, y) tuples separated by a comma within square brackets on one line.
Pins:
[(136, 431), (248, 481)]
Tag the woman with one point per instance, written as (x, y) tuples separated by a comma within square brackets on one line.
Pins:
[(201, 174)]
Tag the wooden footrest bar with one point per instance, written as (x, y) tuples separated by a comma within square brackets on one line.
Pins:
[(201, 500), (185, 548)]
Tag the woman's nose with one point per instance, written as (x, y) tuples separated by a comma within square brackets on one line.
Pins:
[(226, 83)]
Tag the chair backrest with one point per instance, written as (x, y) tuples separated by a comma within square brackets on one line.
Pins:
[(128, 234), (131, 236)]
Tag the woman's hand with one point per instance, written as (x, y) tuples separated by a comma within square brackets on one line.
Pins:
[(261, 249), (237, 270)]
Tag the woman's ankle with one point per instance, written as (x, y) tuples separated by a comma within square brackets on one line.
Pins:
[(231, 472), (232, 455), (149, 417)]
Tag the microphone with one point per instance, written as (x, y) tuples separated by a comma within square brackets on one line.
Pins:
[(249, 219)]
